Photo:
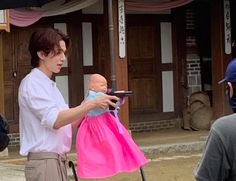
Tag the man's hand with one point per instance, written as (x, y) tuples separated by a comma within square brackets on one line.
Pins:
[(104, 101), (77, 113)]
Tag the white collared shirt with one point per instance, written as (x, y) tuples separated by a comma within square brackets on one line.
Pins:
[(40, 101)]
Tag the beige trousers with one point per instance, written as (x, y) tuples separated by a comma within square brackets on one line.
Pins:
[(46, 166)]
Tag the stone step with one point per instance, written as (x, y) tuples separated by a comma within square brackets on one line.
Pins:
[(188, 147)]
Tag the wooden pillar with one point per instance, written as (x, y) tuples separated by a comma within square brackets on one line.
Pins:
[(121, 69), (1, 77), (219, 58), (179, 55), (76, 81), (4, 26)]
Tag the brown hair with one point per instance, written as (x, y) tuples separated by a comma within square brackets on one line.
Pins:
[(45, 39)]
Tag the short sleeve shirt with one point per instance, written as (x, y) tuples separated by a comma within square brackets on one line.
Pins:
[(40, 102), (219, 156)]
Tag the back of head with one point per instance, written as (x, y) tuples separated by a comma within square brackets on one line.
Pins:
[(45, 39), (230, 73), (230, 79)]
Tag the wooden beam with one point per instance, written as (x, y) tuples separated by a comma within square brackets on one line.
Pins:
[(121, 69), (112, 43), (179, 60), (76, 77), (1, 77), (219, 59)]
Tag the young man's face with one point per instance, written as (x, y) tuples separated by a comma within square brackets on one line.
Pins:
[(52, 63)]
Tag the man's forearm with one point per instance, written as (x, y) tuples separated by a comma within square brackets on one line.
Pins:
[(73, 114)]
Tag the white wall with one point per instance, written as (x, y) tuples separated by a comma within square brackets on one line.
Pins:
[(167, 76), (62, 81)]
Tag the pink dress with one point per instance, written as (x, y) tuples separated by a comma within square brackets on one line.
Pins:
[(104, 146)]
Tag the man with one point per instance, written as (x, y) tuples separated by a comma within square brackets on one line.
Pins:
[(218, 162), (46, 121)]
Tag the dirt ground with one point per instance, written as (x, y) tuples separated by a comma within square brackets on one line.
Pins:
[(176, 167), (172, 168)]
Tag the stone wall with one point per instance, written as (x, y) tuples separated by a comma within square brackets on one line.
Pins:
[(193, 73), (193, 65), (14, 139), (149, 126)]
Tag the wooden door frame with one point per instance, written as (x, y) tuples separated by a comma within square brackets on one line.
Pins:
[(219, 60), (1, 77), (179, 60), (178, 65), (140, 20)]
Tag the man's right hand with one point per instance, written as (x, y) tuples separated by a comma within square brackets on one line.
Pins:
[(105, 101)]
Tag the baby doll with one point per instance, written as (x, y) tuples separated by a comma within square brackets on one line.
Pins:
[(104, 146)]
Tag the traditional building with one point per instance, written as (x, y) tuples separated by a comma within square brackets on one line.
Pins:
[(163, 51)]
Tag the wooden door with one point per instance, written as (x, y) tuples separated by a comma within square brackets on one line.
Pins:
[(144, 68), (16, 65)]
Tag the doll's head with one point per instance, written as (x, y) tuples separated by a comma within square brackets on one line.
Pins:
[(97, 83)]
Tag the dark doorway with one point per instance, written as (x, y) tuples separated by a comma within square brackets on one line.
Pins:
[(203, 23)]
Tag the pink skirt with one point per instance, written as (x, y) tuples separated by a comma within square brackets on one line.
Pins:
[(103, 150)]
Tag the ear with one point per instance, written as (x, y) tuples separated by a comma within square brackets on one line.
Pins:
[(41, 55), (231, 90)]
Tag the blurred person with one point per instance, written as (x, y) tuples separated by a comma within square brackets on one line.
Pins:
[(219, 156)]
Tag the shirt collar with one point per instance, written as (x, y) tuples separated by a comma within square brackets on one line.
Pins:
[(42, 75)]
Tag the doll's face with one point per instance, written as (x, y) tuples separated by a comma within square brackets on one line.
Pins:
[(98, 83)]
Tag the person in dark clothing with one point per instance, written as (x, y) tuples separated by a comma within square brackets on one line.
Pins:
[(4, 130), (219, 156), (230, 80)]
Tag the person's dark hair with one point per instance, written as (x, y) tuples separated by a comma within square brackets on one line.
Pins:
[(45, 39)]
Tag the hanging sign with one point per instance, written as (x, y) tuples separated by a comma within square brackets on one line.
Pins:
[(121, 14), (4, 20), (227, 27)]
